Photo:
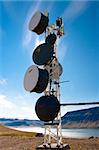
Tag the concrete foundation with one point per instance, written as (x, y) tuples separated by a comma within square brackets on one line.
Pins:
[(53, 146)]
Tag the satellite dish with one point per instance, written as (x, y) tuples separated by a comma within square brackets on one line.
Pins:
[(36, 79), (38, 23), (54, 70), (42, 54), (47, 108), (51, 39)]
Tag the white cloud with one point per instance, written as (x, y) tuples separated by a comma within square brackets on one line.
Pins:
[(22, 108), (3, 81), (27, 38), (30, 38), (75, 9), (18, 107), (62, 50), (27, 35), (5, 103), (39, 41)]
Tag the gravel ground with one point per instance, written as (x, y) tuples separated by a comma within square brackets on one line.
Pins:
[(30, 143), (19, 143), (16, 140)]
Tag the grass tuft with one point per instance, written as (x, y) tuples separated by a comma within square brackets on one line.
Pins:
[(5, 131)]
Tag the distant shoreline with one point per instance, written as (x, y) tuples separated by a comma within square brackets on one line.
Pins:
[(17, 140), (67, 133)]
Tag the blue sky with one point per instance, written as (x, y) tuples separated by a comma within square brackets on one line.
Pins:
[(78, 52)]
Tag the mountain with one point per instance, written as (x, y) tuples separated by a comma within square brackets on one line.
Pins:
[(20, 122), (86, 118)]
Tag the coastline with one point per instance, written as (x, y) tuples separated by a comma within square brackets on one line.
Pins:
[(18, 140), (66, 133)]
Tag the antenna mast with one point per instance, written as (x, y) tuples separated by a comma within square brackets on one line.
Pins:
[(55, 70)]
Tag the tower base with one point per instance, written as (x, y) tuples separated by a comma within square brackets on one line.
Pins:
[(53, 146)]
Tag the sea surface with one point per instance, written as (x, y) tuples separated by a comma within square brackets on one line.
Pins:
[(68, 133)]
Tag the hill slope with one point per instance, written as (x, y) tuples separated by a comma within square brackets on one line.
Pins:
[(86, 118), (20, 122)]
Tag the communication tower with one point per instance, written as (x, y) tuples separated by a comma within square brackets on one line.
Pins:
[(47, 78)]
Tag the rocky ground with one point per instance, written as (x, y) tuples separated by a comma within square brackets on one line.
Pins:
[(16, 140)]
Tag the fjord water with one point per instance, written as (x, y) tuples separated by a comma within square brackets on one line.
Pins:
[(80, 133), (68, 133)]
